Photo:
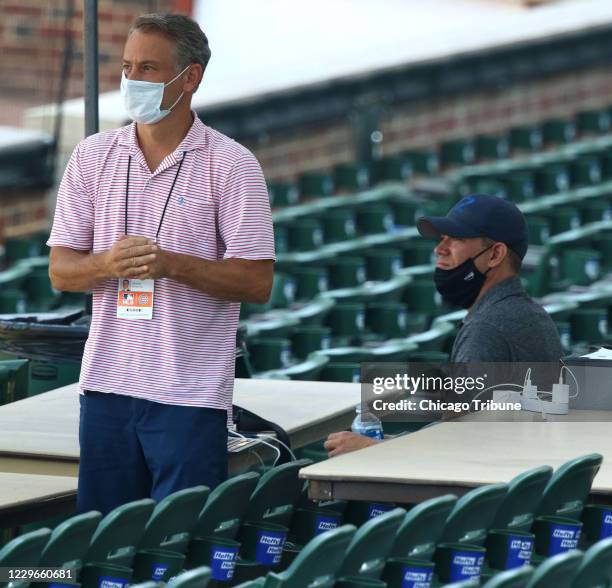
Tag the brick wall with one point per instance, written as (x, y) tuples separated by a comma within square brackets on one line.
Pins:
[(32, 42), (283, 155)]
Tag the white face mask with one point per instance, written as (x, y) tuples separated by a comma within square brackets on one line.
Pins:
[(143, 100)]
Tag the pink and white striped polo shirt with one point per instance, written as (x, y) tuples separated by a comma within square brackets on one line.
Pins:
[(219, 209)]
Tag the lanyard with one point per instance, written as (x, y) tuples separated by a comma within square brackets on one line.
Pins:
[(127, 190)]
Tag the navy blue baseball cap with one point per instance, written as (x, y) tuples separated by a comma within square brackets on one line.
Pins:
[(480, 215)]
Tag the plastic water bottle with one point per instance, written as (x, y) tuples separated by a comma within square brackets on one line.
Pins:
[(365, 423)]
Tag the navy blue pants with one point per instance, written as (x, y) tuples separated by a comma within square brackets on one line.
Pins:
[(133, 448)]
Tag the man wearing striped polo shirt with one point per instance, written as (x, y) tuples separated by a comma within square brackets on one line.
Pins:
[(182, 212)]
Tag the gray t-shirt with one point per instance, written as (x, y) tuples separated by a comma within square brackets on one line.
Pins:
[(506, 325)]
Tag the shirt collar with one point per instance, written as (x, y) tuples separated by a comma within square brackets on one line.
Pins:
[(509, 287), (194, 139)]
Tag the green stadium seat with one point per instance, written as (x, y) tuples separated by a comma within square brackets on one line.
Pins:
[(563, 218), (281, 239), (338, 225), (459, 152), (388, 319), (308, 338), (422, 528), (538, 229), (13, 300), (351, 177), (418, 252), (595, 569), (383, 264), (305, 234), (569, 487), (69, 541), (422, 296), (580, 266), (341, 371), (270, 353), (24, 551), (522, 500), (595, 210), (316, 564), (552, 178), (347, 320), (310, 282), (18, 248), (315, 185), (434, 340), (557, 571), (593, 121), (14, 375), (118, 534), (473, 515), (404, 211), (585, 171), (517, 578), (371, 544), (373, 219), (391, 168), (313, 312), (196, 578), (346, 272), (590, 325), (283, 194), (526, 138), (425, 162), (558, 131), (492, 147), (519, 185), (49, 375)]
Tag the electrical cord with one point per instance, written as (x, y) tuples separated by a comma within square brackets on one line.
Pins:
[(258, 440)]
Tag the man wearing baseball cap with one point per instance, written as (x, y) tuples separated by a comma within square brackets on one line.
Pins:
[(482, 243), (483, 240)]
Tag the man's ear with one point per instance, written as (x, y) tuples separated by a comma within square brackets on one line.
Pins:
[(194, 77), (499, 253)]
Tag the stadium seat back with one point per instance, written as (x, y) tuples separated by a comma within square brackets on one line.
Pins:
[(523, 499), (70, 540), (569, 487), (474, 514), (196, 578), (557, 571), (226, 506), (422, 527), (596, 567), (371, 544), (119, 532)]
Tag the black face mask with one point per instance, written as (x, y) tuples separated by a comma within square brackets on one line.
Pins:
[(461, 285)]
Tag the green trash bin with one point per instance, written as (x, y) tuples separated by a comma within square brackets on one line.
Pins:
[(590, 325), (425, 162), (375, 218), (347, 272), (552, 178), (538, 229), (458, 152), (593, 121), (387, 318), (585, 171), (383, 264), (526, 138), (341, 372), (310, 282), (305, 234), (347, 319), (391, 168), (315, 184), (13, 380), (519, 185), (309, 338), (558, 131), (283, 194), (351, 177), (46, 376), (338, 225), (270, 353), (581, 266)]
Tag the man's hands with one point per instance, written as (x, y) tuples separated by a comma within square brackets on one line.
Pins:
[(346, 441), (135, 257)]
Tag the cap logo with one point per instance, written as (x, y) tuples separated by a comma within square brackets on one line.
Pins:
[(465, 203), (469, 277)]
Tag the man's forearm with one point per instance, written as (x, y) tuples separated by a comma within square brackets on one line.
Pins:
[(75, 271), (231, 279)]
